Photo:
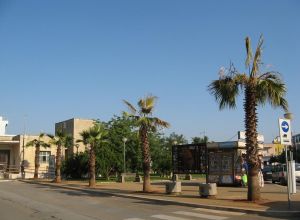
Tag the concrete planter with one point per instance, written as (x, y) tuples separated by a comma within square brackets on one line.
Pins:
[(188, 177), (138, 179), (121, 179), (175, 177), (207, 190), (173, 187)]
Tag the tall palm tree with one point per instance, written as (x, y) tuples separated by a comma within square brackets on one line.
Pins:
[(92, 138), (146, 123), (61, 139), (37, 143), (259, 88)]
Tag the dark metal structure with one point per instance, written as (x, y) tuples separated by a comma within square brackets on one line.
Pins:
[(221, 162), (189, 159)]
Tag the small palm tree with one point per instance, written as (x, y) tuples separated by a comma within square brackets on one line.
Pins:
[(92, 138), (37, 143), (146, 124), (258, 89), (61, 139)]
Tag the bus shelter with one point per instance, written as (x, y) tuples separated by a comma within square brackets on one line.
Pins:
[(225, 161), (221, 162)]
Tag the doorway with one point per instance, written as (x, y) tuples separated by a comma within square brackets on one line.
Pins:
[(4, 159)]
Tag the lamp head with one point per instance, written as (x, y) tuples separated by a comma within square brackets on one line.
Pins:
[(288, 115)]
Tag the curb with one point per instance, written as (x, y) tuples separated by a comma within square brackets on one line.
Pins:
[(267, 213)]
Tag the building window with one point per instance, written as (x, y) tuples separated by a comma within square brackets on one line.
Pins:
[(44, 156)]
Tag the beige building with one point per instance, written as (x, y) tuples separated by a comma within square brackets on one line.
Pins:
[(74, 127), (13, 150), (10, 155), (270, 150)]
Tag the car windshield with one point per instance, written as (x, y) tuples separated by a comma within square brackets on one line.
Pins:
[(267, 169)]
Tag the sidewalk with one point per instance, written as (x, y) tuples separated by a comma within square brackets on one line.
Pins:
[(274, 197)]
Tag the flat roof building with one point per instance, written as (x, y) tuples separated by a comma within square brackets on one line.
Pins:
[(13, 150), (74, 127)]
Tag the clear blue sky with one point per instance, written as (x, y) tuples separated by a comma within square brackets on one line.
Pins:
[(61, 59)]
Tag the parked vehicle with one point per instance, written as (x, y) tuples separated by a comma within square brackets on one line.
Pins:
[(279, 173), (267, 172)]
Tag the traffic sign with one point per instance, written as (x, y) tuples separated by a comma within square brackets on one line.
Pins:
[(285, 131)]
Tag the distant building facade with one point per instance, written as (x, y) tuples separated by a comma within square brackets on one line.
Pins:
[(14, 153), (74, 127)]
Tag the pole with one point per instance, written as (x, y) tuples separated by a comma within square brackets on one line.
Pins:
[(23, 150), (124, 157), (287, 179), (24, 130)]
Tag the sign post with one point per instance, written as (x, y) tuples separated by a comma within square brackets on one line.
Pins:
[(286, 139)]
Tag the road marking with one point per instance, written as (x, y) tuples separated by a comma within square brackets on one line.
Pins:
[(168, 217), (220, 212), (193, 214)]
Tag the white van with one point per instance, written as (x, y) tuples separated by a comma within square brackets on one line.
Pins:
[(279, 173)]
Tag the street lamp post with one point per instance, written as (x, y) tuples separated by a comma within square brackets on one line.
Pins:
[(23, 150), (124, 142)]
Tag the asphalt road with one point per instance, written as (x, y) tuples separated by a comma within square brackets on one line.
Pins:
[(30, 201)]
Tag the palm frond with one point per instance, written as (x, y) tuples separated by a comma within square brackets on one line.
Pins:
[(226, 89), (257, 58), (160, 123), (131, 108), (141, 103), (249, 52), (68, 141), (44, 144), (42, 134), (50, 136), (94, 135), (147, 104), (270, 88), (31, 143), (150, 101)]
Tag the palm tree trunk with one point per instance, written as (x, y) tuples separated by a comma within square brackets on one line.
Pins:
[(58, 165), (251, 142), (146, 159), (92, 167), (37, 162)]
